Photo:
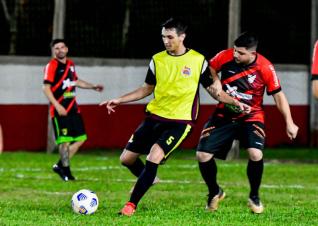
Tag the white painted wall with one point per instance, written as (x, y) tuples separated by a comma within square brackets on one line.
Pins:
[(22, 83)]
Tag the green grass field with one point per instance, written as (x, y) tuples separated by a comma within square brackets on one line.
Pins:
[(31, 194)]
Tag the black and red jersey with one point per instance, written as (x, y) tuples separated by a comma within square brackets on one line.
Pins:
[(314, 67), (246, 83), (62, 78)]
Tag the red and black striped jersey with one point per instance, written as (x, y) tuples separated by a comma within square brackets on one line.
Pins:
[(246, 83), (314, 67), (62, 78)]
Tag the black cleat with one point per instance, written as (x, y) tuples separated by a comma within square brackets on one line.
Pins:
[(67, 172), (60, 172), (71, 177)]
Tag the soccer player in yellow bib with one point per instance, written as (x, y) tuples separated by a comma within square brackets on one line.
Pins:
[(173, 77)]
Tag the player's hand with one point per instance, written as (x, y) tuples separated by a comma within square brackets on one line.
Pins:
[(110, 105), (292, 130), (61, 110), (98, 88), (246, 109), (216, 87)]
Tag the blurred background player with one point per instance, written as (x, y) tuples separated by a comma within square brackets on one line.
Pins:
[(314, 71), (173, 76), (1, 140), (60, 82), (244, 75)]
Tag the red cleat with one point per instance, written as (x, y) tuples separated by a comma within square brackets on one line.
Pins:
[(128, 210)]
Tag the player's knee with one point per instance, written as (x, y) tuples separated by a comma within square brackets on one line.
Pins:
[(126, 159), (203, 156), (64, 146), (255, 154), (79, 143), (156, 156)]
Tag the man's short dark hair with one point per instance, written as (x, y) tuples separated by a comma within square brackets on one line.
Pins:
[(249, 40), (58, 40), (178, 24)]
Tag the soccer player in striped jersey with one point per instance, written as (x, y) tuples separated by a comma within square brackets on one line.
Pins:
[(245, 74), (60, 82)]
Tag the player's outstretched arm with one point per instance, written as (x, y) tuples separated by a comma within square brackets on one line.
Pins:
[(135, 95), (110, 104), (86, 85), (283, 107)]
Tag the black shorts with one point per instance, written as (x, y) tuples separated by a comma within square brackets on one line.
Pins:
[(68, 129), (218, 135), (167, 134)]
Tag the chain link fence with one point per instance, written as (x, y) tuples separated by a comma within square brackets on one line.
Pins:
[(131, 28)]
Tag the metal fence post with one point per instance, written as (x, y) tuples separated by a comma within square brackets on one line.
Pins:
[(313, 103), (58, 32), (233, 31)]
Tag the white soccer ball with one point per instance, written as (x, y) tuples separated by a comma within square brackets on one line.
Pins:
[(84, 202)]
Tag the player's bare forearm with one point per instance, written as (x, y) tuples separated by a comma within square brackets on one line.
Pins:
[(283, 107), (135, 95), (48, 93), (86, 85), (222, 96), (227, 99), (214, 74), (216, 87)]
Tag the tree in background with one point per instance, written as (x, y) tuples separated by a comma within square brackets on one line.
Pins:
[(12, 21)]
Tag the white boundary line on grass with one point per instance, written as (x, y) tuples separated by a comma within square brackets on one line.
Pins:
[(270, 186), (75, 169), (181, 166), (297, 186), (20, 175)]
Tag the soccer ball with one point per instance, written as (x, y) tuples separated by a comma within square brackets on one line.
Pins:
[(84, 202)]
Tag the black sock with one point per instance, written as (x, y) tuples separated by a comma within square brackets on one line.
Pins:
[(144, 182), (254, 174), (59, 163), (66, 170), (136, 168), (208, 171)]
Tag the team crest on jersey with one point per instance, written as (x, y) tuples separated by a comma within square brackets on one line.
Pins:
[(68, 83), (232, 91), (64, 131), (251, 78), (186, 71)]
